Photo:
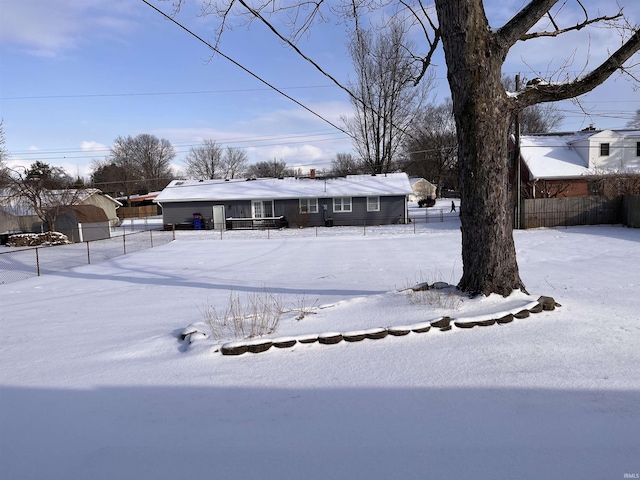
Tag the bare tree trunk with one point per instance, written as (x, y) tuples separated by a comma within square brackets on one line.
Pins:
[(482, 122)]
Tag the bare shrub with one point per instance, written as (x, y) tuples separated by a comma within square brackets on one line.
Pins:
[(303, 307), (252, 316)]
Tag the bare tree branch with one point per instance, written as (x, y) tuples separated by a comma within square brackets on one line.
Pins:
[(523, 21), (579, 26), (552, 92)]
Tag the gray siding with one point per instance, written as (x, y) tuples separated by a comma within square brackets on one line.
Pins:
[(182, 212), (392, 211)]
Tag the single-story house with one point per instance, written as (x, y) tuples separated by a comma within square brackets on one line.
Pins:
[(83, 223), (566, 164), (422, 189), (295, 202)]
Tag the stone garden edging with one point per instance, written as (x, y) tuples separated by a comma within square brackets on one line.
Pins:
[(259, 345)]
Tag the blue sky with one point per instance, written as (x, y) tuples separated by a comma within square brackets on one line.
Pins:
[(75, 74)]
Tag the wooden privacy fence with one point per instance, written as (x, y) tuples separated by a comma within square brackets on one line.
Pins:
[(137, 212), (563, 212), (631, 205)]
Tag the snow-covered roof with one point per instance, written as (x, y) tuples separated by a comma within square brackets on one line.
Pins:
[(556, 156), (552, 156), (286, 188)]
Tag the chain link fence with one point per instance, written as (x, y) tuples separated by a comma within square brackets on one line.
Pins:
[(21, 263), (29, 262)]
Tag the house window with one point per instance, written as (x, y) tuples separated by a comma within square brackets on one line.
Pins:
[(373, 204), (262, 208), (342, 204), (604, 149), (308, 205)]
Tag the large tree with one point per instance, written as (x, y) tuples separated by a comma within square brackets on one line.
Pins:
[(209, 160), (204, 162), (153, 157), (111, 178), (385, 99), (475, 52), (347, 164), (136, 163), (272, 169), (235, 163)]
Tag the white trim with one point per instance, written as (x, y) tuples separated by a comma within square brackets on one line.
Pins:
[(261, 213), (342, 203), (310, 204), (376, 208)]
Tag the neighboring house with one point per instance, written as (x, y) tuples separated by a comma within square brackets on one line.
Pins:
[(422, 189), (566, 164), (22, 213), (83, 223), (296, 202)]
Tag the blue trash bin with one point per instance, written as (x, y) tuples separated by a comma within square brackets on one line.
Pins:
[(197, 221)]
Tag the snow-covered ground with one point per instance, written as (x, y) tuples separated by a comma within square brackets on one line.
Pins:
[(96, 384)]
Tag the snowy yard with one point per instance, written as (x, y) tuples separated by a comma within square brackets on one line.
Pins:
[(96, 384)]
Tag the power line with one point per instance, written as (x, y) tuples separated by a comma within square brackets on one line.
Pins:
[(151, 94), (289, 139)]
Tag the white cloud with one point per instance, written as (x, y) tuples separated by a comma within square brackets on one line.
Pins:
[(49, 27), (91, 146)]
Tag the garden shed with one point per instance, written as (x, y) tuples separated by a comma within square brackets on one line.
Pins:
[(83, 223)]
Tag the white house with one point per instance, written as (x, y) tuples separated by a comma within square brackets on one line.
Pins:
[(562, 164)]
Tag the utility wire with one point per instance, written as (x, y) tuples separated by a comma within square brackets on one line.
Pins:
[(152, 94), (247, 70)]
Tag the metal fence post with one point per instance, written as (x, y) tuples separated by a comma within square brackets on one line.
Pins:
[(151, 237), (88, 254), (37, 262), (124, 243)]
